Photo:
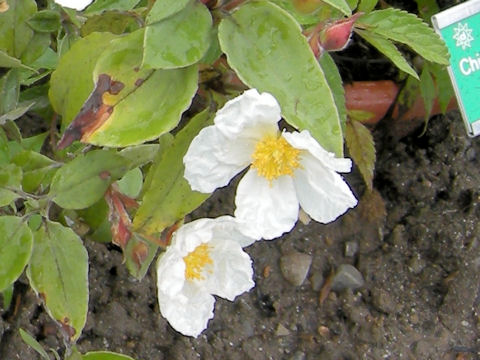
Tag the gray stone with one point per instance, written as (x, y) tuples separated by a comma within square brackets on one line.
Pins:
[(295, 266), (347, 277), (317, 280), (282, 330), (351, 248)]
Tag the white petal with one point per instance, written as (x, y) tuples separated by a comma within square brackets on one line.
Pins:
[(303, 140), (250, 115), (322, 193), (212, 160), (170, 272), (188, 314), (232, 271), (230, 228), (74, 4), (269, 210)]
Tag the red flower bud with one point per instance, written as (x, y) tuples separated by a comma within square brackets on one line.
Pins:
[(335, 36)]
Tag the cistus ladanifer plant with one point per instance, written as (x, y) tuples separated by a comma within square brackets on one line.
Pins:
[(147, 107)]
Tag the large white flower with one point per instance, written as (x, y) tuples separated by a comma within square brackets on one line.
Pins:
[(286, 169), (74, 4), (205, 258)]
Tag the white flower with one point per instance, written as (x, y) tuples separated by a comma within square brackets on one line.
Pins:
[(74, 4), (205, 258), (286, 169)]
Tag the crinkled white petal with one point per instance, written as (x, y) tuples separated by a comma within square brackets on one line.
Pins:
[(170, 272), (268, 210), (230, 228), (250, 115), (303, 140), (74, 4), (212, 160), (322, 193), (189, 313), (232, 271)]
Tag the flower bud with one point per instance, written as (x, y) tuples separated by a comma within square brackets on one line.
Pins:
[(335, 36)]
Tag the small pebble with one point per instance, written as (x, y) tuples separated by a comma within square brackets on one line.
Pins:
[(282, 331), (295, 266), (351, 248), (384, 301), (347, 277), (470, 154), (416, 264), (317, 280)]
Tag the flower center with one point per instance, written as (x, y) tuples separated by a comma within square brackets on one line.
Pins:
[(196, 261), (274, 157)]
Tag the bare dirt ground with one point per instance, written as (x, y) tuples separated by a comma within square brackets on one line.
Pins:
[(414, 242)]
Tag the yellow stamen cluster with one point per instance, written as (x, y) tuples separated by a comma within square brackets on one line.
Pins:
[(274, 157), (195, 262)]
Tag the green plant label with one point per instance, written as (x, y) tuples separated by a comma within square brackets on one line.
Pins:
[(459, 26)]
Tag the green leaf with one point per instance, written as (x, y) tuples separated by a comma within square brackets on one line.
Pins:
[(33, 143), (131, 183), (149, 104), (38, 170), (9, 91), (168, 196), (34, 344), (367, 6), (105, 355), (266, 48), (84, 180), (12, 130), (45, 21), (361, 146), (69, 89), (341, 5), (139, 254), (140, 155), (178, 40), (109, 21), (15, 34), (335, 83), (7, 295), (301, 18), (427, 8), (398, 25), (103, 5), (7, 61), (16, 113), (165, 8), (427, 90), (408, 93), (10, 178), (37, 46), (361, 115), (387, 48), (444, 86), (4, 149), (58, 273), (16, 243)]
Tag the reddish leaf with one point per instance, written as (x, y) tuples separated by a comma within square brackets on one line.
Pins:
[(118, 216)]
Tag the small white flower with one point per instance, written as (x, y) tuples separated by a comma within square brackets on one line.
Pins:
[(287, 170), (205, 258), (74, 4)]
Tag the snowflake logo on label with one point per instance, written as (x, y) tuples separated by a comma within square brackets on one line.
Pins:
[(463, 36)]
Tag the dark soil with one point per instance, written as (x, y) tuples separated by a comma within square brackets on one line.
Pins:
[(418, 251)]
